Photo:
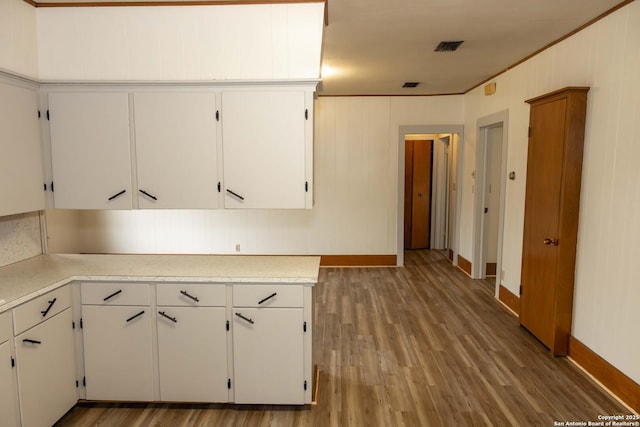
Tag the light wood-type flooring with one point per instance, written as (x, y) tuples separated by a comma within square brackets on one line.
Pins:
[(421, 345)]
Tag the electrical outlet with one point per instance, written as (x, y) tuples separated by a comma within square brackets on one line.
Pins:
[(237, 247)]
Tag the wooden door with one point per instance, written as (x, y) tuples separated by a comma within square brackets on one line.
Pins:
[(554, 167), (417, 193)]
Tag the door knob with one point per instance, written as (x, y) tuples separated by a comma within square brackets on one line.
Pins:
[(550, 242)]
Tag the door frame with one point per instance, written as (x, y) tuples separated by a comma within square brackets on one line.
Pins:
[(425, 129), (500, 118)]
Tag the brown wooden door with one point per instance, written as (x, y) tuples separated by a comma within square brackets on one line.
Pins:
[(542, 207), (552, 205), (417, 193)]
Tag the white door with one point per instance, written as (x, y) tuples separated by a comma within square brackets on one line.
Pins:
[(176, 150), (46, 371), (493, 171), (90, 150), (264, 149), (8, 398), (192, 354), (21, 176), (118, 353), (268, 355)]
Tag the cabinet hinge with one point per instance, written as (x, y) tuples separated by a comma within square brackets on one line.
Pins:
[(306, 114), (306, 186), (13, 362), (84, 381), (229, 383), (219, 187), (217, 115), (52, 190), (81, 325), (45, 186), (48, 118), (305, 386), (304, 326), (77, 383), (73, 324), (39, 114), (227, 325)]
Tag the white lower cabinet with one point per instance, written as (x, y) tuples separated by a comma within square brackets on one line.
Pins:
[(8, 391), (268, 355), (46, 370), (192, 354), (118, 352)]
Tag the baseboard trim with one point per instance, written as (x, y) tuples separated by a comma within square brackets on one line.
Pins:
[(491, 269), (464, 265), (509, 299), (450, 255), (608, 375), (358, 260)]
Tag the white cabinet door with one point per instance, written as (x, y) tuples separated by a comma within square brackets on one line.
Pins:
[(192, 354), (8, 398), (118, 353), (265, 149), (21, 176), (268, 355), (90, 150), (46, 371), (176, 151)]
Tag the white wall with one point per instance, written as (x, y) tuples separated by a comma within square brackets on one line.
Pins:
[(605, 57), (277, 41), (18, 41), (355, 168)]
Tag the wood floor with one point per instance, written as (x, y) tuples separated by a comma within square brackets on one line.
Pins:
[(417, 346)]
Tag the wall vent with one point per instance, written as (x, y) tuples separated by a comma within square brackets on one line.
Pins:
[(410, 84), (448, 46)]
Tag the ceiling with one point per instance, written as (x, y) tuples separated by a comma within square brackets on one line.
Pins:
[(374, 46)]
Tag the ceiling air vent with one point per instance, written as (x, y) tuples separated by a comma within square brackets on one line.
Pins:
[(411, 84), (448, 46)]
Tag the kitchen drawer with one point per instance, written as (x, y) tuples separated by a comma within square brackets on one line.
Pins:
[(191, 294), (41, 308), (5, 326), (115, 293), (267, 295)]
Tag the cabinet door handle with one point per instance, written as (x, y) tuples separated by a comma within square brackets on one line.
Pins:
[(115, 196), (235, 194), (32, 341), (45, 312), (151, 196), (135, 315), (267, 298), (186, 294), (245, 318), (166, 316), (112, 295)]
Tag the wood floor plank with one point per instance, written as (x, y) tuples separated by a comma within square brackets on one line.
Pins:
[(421, 345)]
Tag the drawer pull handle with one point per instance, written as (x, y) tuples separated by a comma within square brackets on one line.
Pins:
[(135, 315), (245, 318), (115, 196), (32, 341), (112, 295), (235, 194), (267, 298), (151, 196), (166, 316), (45, 312), (186, 294)]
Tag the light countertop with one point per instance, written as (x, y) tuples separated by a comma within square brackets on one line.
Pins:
[(27, 279)]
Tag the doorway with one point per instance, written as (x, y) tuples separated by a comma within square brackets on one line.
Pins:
[(450, 198), (490, 184)]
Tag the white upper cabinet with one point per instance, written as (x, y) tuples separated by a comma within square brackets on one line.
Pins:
[(267, 144), (90, 150), (21, 177), (176, 150)]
